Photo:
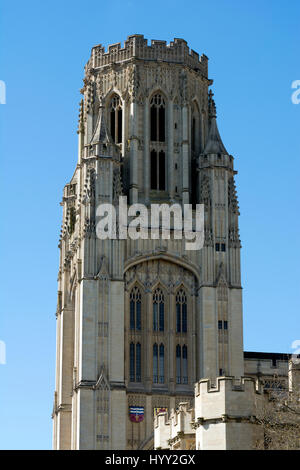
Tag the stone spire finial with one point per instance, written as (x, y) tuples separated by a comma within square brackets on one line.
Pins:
[(101, 133), (214, 142), (212, 110)]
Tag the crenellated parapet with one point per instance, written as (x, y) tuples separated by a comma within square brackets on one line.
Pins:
[(136, 47), (176, 432), (225, 413)]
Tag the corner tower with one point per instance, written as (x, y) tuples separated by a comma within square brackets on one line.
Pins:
[(140, 321)]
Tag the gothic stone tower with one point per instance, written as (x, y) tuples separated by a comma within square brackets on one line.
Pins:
[(140, 321)]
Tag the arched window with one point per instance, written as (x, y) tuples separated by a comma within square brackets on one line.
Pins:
[(157, 118), (181, 364), (135, 363), (115, 111), (181, 312), (135, 309), (158, 311), (158, 363), (195, 128)]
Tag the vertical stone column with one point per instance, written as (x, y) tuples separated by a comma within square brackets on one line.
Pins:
[(87, 364), (185, 156), (133, 188), (170, 172), (116, 369), (146, 150)]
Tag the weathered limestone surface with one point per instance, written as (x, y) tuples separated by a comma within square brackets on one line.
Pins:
[(147, 130)]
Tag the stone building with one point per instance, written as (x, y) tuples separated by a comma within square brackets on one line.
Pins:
[(139, 322)]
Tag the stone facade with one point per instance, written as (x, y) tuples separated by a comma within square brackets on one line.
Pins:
[(224, 418), (147, 130)]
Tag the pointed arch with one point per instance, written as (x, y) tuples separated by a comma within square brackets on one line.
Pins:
[(115, 117), (158, 309), (195, 126), (181, 310), (157, 117), (135, 309)]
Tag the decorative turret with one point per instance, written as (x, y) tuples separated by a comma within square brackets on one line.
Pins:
[(101, 133), (214, 142)]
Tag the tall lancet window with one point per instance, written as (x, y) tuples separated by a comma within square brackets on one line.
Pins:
[(181, 312), (158, 137), (158, 311), (135, 309), (158, 363), (115, 112), (181, 364), (195, 150), (157, 118), (135, 363)]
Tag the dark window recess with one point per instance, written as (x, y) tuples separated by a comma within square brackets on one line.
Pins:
[(132, 322), (157, 119), (178, 364), (162, 170), (138, 316), (217, 246), (153, 170), (116, 119), (193, 134), (158, 170), (161, 124), (132, 371), (184, 365), (112, 125), (176, 166), (161, 364), (178, 318), (220, 324), (138, 363), (220, 371), (153, 117), (155, 363), (223, 247), (225, 325), (119, 125)]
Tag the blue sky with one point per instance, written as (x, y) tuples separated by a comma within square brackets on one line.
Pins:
[(253, 47)]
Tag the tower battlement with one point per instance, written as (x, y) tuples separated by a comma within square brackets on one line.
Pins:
[(242, 384), (136, 46), (178, 431)]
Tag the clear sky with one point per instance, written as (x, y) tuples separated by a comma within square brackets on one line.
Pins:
[(253, 47)]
